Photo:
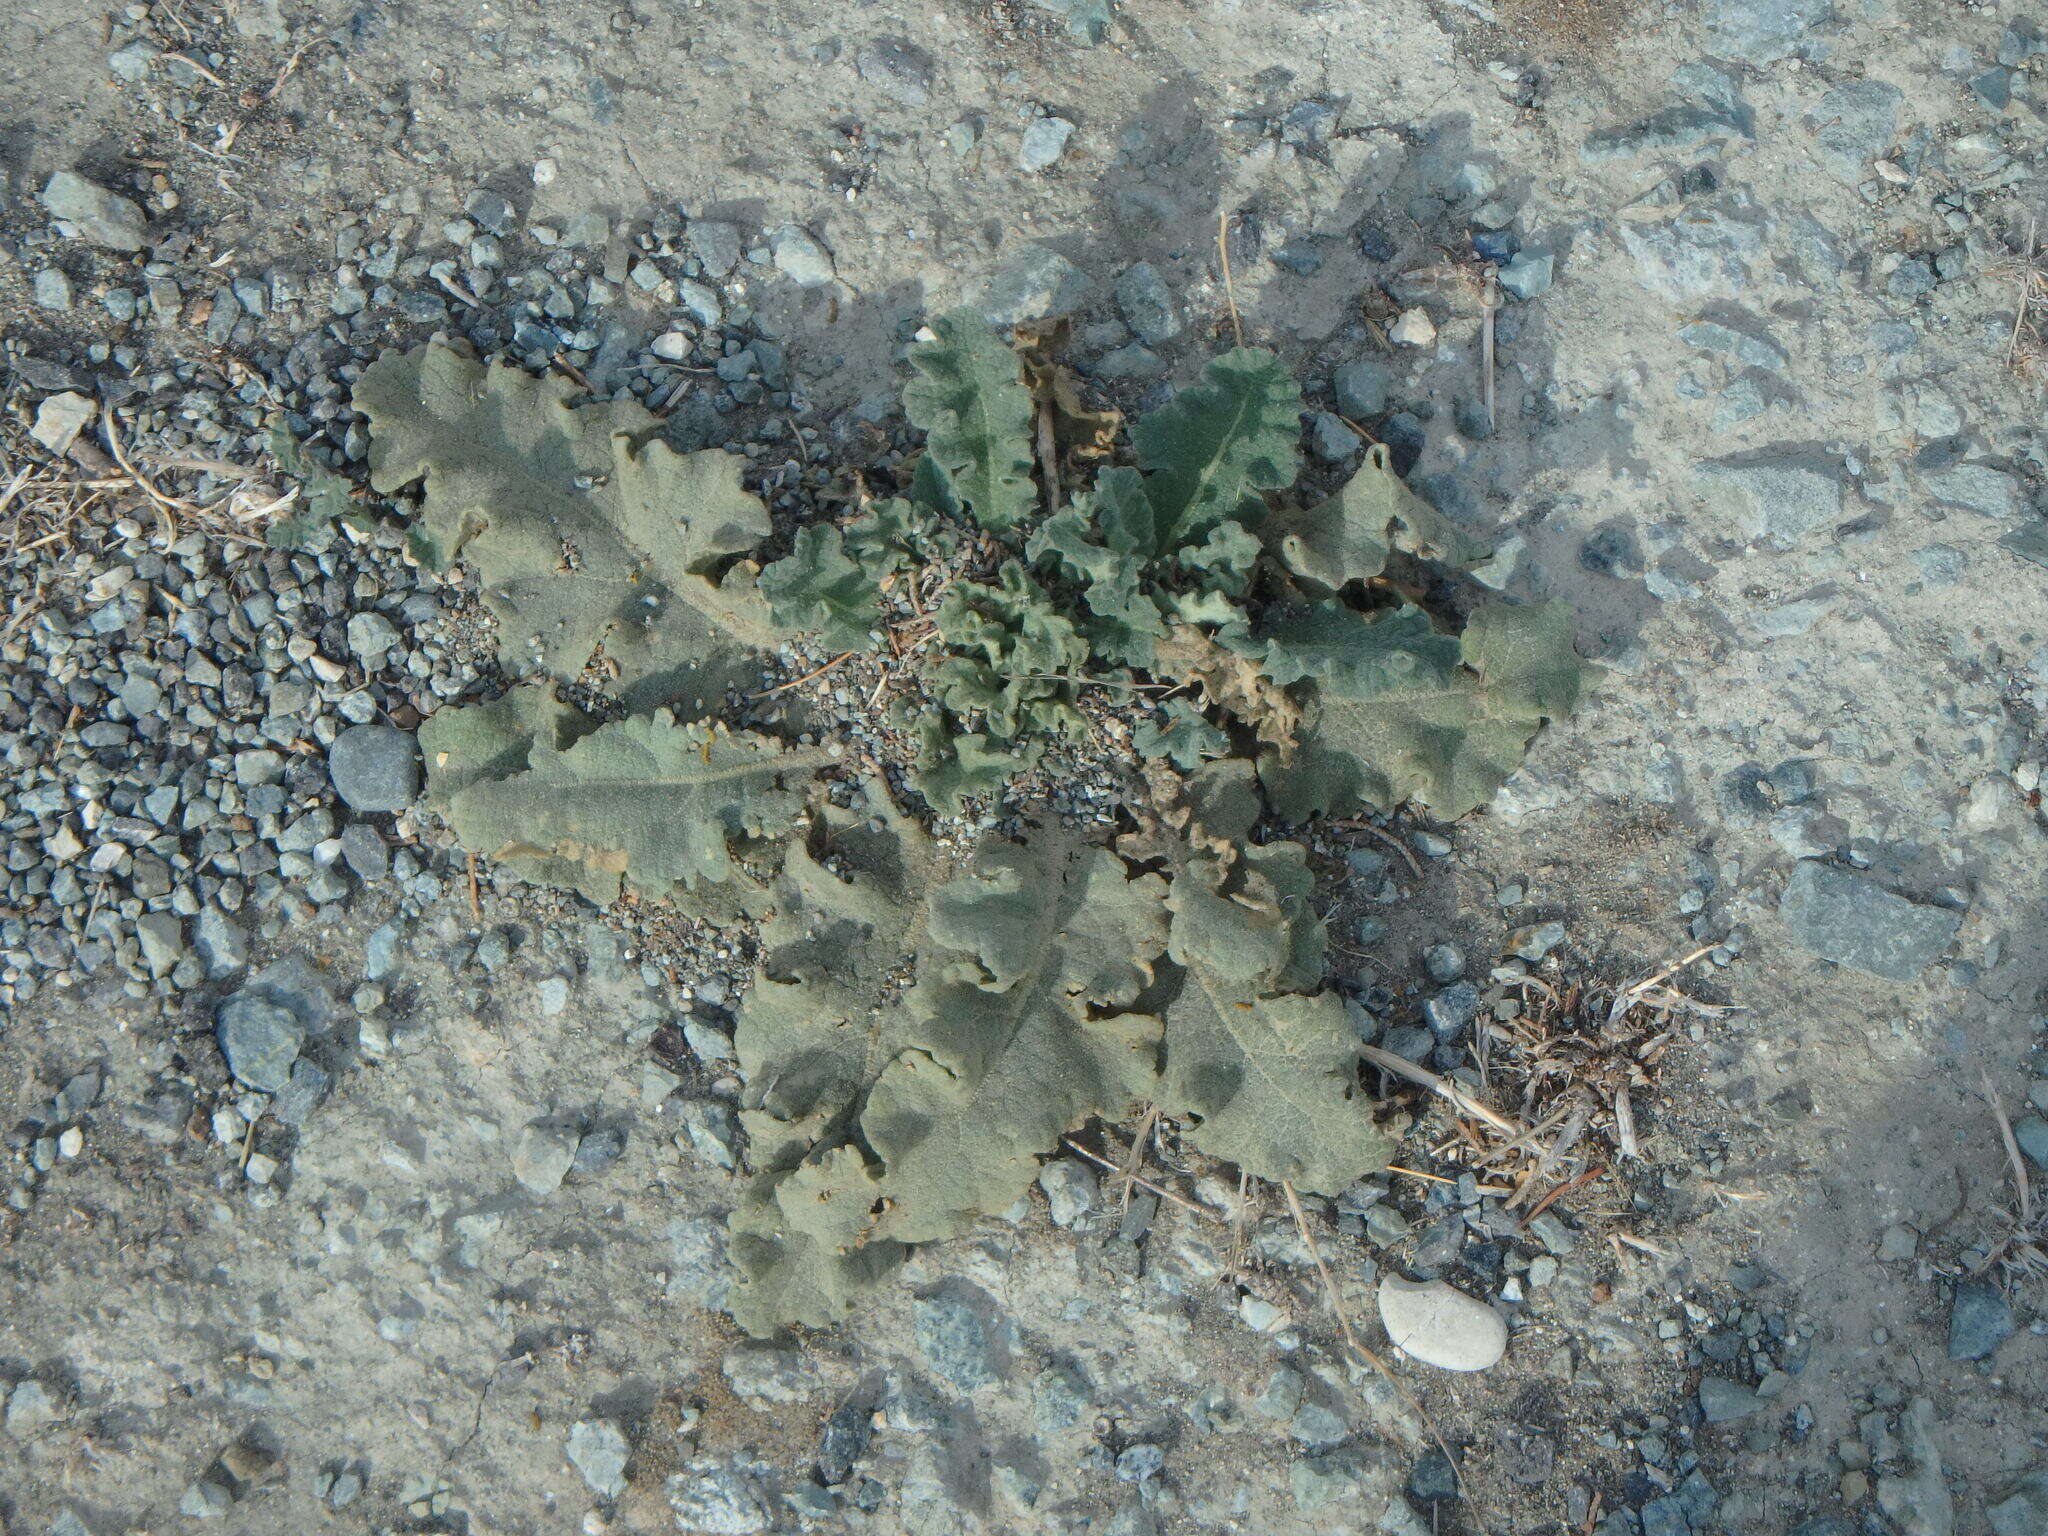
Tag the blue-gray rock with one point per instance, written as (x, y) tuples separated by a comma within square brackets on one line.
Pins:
[(1034, 283), (597, 1448), (302, 1094), (1680, 126), (260, 1038), (52, 290), (1451, 1012), (1334, 442), (899, 69), (1361, 388), (1750, 351), (375, 768), (1702, 253), (2023, 1511), (1857, 122), (1529, 274), (1302, 257), (1777, 500), (2031, 1132), (1444, 962), (1981, 488), (715, 243), (799, 257), (1855, 922), (953, 1334), (1071, 1190), (845, 1439), (1763, 31), (1688, 1510), (1044, 141), (1722, 1400), (1146, 304), (1980, 1320), (99, 216), (1135, 361), (1433, 1478)]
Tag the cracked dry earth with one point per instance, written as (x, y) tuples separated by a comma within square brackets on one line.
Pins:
[(1767, 411)]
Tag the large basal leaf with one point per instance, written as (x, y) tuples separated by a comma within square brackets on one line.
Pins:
[(585, 527), (954, 766), (1265, 1059), (881, 1117), (976, 417), (1348, 537), (471, 743), (1359, 656), (1445, 742), (644, 802), (1211, 450)]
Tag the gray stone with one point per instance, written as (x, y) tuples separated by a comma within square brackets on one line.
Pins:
[(309, 1084), (1441, 1326), (716, 1499), (1980, 1320), (1444, 962), (1033, 283), (899, 69), (1722, 1400), (364, 851), (799, 257), (2031, 1132), (1146, 304), (1979, 488), (1451, 1012), (2023, 1511), (1763, 31), (1778, 501), (702, 301), (1703, 254), (375, 768), (1280, 1398), (1535, 941), (1855, 922), (222, 944), (597, 1448), (1361, 388), (260, 1037), (1135, 361), (1333, 441), (716, 244), (1857, 122), (1680, 126), (769, 1373), (1044, 141), (98, 215), (1750, 351), (1529, 275), (1318, 1427), (953, 1334), (1917, 1501), (372, 637), (1071, 1190), (30, 1408), (162, 937), (52, 290), (543, 1155), (60, 418)]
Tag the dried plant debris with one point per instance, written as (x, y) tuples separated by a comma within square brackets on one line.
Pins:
[(586, 529), (921, 1030)]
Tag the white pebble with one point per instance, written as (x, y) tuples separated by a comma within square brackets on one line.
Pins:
[(1440, 1326)]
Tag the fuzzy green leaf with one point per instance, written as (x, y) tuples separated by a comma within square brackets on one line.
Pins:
[(1102, 543), (954, 766), (469, 744), (1185, 737), (902, 1116), (1216, 445), (1448, 743), (817, 590), (1013, 656), (644, 801), (1268, 1064), (976, 416), (585, 527), (1358, 656), (1348, 537)]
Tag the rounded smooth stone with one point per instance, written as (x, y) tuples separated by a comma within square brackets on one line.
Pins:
[(375, 768), (1440, 1326)]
